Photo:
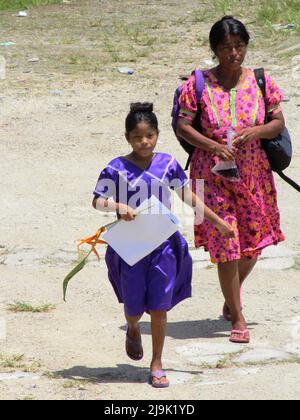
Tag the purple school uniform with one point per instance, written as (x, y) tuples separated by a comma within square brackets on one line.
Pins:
[(162, 279)]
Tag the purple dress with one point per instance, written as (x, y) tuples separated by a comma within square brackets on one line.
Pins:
[(162, 279)]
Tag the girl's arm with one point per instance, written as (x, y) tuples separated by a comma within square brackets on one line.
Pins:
[(189, 198), (107, 206)]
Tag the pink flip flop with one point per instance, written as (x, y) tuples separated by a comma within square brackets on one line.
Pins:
[(158, 374), (240, 337)]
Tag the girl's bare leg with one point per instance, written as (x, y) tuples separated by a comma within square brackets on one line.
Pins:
[(134, 331), (158, 327)]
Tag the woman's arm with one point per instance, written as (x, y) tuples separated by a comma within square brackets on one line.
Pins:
[(267, 132), (192, 136), (189, 198)]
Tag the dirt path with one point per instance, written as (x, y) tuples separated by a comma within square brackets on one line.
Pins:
[(62, 120)]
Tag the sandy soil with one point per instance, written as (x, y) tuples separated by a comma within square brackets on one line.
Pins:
[(62, 120)]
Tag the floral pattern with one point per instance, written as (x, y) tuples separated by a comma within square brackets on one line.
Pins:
[(250, 206)]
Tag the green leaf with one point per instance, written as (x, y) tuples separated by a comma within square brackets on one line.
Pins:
[(73, 273)]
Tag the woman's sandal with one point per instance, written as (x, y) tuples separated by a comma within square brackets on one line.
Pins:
[(240, 337), (158, 374), (134, 348)]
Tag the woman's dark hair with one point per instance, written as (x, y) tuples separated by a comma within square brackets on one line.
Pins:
[(225, 27), (141, 112)]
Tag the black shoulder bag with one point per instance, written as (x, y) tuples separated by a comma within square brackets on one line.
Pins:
[(278, 150)]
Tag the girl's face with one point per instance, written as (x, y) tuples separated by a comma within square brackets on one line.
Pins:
[(143, 139), (232, 52)]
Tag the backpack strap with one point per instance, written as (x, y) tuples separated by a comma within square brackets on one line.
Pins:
[(199, 84), (199, 88)]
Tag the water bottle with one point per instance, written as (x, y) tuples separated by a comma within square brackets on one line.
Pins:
[(2, 68), (125, 70)]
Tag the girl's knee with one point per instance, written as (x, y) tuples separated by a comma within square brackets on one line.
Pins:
[(158, 314)]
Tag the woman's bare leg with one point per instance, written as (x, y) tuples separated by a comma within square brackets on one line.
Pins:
[(230, 284), (245, 267)]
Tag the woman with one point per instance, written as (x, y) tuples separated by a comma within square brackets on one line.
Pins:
[(233, 100)]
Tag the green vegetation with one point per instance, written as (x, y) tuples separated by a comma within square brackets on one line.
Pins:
[(24, 4), (259, 15), (15, 362), (25, 307)]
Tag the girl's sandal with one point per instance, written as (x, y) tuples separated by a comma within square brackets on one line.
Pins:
[(158, 375), (240, 337), (134, 349)]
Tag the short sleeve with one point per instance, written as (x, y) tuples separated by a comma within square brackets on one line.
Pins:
[(177, 177), (188, 100), (106, 184), (274, 96)]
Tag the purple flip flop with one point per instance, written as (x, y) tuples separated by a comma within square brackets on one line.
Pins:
[(158, 374), (134, 347)]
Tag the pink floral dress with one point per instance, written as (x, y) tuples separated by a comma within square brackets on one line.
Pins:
[(250, 206)]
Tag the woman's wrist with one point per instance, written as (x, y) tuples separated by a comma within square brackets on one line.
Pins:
[(213, 147)]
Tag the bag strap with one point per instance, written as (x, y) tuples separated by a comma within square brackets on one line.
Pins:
[(199, 84), (289, 181), (261, 81), (199, 88)]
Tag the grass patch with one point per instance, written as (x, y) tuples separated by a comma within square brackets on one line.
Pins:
[(259, 16), (26, 307), (17, 362), (25, 4)]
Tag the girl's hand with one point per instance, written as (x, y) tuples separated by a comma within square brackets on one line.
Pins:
[(226, 229), (126, 213), (224, 153), (246, 135)]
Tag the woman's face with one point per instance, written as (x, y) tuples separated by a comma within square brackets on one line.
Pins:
[(232, 52)]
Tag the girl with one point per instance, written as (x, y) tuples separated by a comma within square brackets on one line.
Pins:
[(163, 279)]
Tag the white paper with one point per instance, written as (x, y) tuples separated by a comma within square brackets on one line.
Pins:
[(135, 240)]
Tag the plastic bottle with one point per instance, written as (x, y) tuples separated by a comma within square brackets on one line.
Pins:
[(126, 70), (2, 68)]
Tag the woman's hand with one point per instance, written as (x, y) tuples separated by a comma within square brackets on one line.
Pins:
[(226, 229), (224, 153), (246, 135), (126, 213)]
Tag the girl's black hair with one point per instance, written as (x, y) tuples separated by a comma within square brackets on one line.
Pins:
[(141, 112), (225, 27)]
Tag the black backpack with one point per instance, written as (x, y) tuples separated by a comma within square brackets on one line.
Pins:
[(199, 88), (279, 150)]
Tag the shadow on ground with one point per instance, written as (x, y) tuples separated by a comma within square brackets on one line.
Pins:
[(119, 374), (206, 328)]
